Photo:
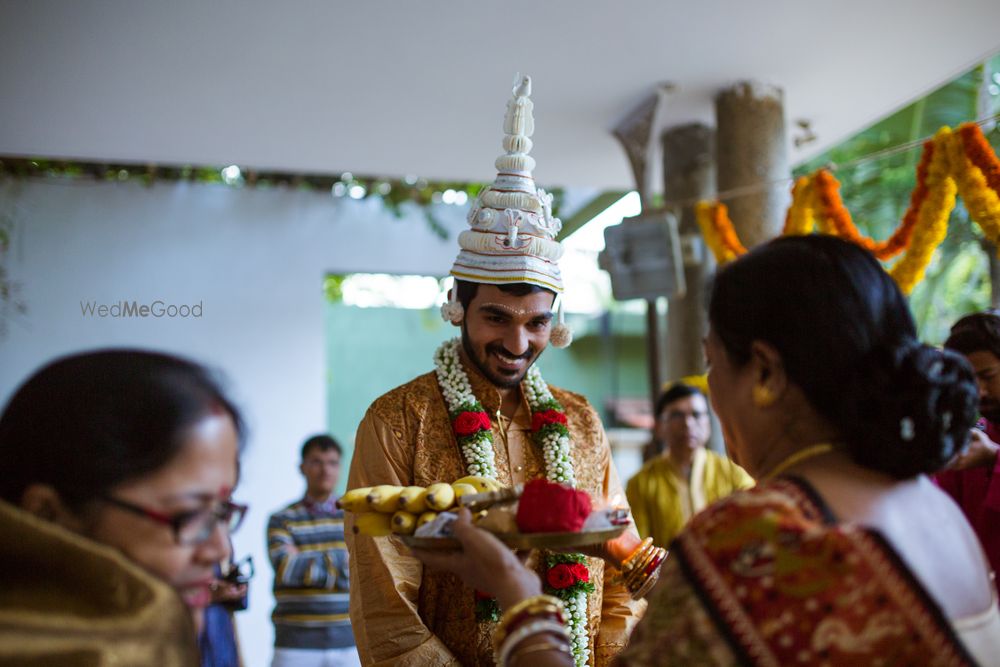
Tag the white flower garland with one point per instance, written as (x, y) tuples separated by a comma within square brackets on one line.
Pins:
[(480, 460), (577, 610), (555, 447), (458, 396)]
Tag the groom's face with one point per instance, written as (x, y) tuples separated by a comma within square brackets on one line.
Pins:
[(504, 334)]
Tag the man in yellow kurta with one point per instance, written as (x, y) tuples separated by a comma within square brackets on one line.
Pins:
[(507, 281), (686, 477)]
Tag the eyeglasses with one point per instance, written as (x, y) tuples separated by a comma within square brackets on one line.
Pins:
[(191, 528), (678, 416)]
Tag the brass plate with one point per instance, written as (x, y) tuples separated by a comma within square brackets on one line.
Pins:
[(522, 540)]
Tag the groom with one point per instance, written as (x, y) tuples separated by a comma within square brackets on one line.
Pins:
[(507, 282)]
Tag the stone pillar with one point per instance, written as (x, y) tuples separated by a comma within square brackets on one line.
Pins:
[(751, 151), (688, 175), (635, 132)]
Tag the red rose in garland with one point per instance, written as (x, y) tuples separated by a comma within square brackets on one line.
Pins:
[(467, 423), (546, 507), (546, 417), (580, 571), (560, 576)]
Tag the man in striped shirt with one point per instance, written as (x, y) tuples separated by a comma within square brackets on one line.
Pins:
[(306, 545)]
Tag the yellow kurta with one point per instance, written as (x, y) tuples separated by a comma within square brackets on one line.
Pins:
[(404, 616), (663, 501)]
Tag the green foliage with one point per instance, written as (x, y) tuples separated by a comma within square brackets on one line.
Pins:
[(392, 193), (333, 287), (877, 193)]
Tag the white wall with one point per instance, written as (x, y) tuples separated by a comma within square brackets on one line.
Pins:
[(254, 258)]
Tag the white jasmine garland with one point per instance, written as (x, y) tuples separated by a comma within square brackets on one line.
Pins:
[(479, 458)]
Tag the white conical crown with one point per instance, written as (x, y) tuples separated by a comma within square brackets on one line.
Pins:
[(512, 235)]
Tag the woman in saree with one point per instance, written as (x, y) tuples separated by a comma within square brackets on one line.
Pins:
[(845, 553), (116, 474)]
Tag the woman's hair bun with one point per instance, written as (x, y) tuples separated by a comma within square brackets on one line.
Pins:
[(915, 406)]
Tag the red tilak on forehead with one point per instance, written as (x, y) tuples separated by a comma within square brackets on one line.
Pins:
[(517, 312)]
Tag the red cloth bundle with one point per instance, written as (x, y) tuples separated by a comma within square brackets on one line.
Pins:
[(546, 507)]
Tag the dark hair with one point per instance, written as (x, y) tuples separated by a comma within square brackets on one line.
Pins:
[(675, 392), (978, 332), (88, 422), (323, 443), (847, 340), (467, 290)]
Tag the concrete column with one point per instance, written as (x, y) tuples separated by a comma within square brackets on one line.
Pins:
[(635, 132), (750, 150), (688, 175)]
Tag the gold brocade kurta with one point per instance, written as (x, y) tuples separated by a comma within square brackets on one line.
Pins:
[(404, 616)]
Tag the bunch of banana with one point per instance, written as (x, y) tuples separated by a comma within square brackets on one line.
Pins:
[(481, 484), (386, 509)]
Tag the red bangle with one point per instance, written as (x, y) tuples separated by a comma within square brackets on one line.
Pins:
[(653, 565)]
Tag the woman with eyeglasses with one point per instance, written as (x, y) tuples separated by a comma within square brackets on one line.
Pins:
[(114, 466)]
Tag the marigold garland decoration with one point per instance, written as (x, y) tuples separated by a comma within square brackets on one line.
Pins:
[(932, 219), (961, 162), (704, 213), (799, 220), (978, 179)]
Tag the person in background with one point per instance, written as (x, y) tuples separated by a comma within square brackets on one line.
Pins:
[(973, 477), (844, 553), (305, 540), (686, 477), (116, 470)]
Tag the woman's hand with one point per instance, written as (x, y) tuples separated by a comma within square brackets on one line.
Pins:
[(224, 591), (981, 451), (484, 564)]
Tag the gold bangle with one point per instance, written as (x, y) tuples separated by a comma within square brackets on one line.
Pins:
[(537, 605), (636, 573), (639, 581), (627, 563), (646, 586), (511, 642), (534, 647), (528, 602), (641, 563)]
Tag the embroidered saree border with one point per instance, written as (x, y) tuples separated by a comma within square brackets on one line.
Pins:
[(798, 512)]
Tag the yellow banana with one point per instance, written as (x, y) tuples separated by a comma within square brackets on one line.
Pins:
[(403, 523), (482, 484), (440, 496), (413, 499), (373, 524), (355, 500), (426, 517), (384, 498), (463, 490)]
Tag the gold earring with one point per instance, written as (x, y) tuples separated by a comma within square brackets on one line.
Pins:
[(763, 397)]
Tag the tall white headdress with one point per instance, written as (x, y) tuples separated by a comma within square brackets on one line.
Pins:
[(512, 235)]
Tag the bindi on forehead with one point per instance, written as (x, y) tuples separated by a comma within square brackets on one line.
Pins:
[(517, 312)]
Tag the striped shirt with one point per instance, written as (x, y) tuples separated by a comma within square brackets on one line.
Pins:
[(310, 587)]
